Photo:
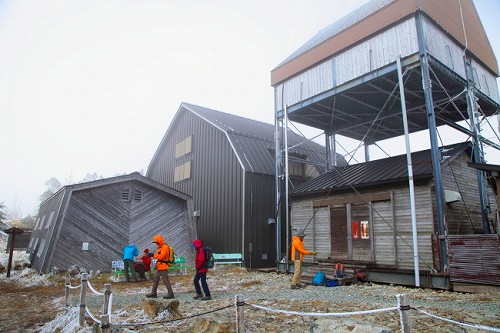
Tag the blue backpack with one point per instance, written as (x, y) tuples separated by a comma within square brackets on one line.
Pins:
[(319, 279)]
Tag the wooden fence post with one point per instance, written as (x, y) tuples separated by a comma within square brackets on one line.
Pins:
[(403, 313), (83, 298), (67, 289), (105, 324), (240, 314), (107, 295)]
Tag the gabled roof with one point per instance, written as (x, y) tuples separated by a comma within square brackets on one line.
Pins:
[(135, 176), (383, 171), (252, 140), (377, 15)]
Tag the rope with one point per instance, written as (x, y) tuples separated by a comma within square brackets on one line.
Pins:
[(167, 321), (93, 290), (73, 287), (324, 314), (92, 316), (488, 328)]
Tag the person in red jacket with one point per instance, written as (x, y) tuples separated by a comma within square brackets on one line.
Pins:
[(201, 272), (143, 266), (162, 257)]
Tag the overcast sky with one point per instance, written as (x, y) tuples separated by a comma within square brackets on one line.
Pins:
[(92, 85)]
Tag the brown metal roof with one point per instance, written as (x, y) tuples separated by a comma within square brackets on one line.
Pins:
[(383, 171), (378, 15)]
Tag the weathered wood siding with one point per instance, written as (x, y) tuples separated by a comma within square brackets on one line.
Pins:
[(106, 217), (425, 227), (464, 216), (391, 223)]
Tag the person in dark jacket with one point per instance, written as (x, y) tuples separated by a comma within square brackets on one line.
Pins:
[(201, 272)]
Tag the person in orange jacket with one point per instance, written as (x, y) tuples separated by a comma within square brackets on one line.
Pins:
[(162, 257), (298, 246)]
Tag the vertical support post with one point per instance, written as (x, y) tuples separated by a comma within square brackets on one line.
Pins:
[(83, 298), (477, 148), (240, 314), (277, 184), (410, 173), (67, 290), (287, 209), (403, 313), (107, 295), (435, 154), (11, 252)]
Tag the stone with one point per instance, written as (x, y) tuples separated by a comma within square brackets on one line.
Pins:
[(343, 325), (153, 307), (215, 324)]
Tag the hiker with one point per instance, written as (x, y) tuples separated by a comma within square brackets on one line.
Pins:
[(129, 253), (298, 245), (162, 257), (201, 272), (144, 265)]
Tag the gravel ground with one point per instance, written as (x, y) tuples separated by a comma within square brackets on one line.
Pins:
[(272, 290)]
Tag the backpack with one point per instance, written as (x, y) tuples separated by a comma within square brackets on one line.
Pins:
[(319, 279), (209, 257), (332, 283), (171, 258)]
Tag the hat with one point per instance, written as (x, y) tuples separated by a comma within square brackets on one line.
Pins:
[(146, 250), (300, 233)]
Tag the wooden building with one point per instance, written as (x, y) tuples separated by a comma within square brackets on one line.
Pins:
[(226, 163), (360, 215), (392, 68), (87, 225)]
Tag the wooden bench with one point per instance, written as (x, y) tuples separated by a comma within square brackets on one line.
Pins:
[(228, 259), (179, 266)]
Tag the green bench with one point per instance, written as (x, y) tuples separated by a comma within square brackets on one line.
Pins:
[(228, 259), (179, 266)]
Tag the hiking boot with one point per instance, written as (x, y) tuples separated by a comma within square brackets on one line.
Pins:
[(206, 298), (168, 297), (152, 295), (300, 285), (198, 296), (294, 287)]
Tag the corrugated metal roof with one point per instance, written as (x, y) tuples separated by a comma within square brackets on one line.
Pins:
[(388, 170), (253, 140)]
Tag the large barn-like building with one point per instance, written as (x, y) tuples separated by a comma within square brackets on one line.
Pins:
[(226, 163), (87, 225)]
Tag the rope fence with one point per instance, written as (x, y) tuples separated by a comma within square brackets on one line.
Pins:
[(105, 318)]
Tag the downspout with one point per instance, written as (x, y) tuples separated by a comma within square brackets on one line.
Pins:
[(277, 190), (435, 155), (285, 115)]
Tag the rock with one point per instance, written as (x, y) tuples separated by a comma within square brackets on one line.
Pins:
[(215, 324), (153, 307), (342, 325), (2, 269)]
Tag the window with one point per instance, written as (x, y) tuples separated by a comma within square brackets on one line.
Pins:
[(40, 250), (182, 172), (295, 169), (41, 222), (183, 147), (49, 220)]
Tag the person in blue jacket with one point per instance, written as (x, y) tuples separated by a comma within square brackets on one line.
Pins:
[(129, 253)]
